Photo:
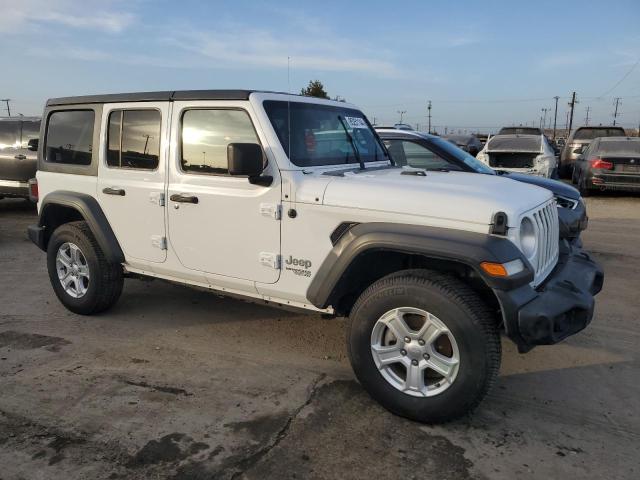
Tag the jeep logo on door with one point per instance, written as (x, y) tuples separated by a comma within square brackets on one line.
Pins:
[(298, 266)]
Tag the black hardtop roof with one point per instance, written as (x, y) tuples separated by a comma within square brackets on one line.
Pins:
[(163, 96)]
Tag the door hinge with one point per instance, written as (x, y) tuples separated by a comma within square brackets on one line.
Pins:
[(269, 259), (157, 198), (271, 210), (159, 241)]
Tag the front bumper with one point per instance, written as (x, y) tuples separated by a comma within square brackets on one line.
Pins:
[(562, 306)]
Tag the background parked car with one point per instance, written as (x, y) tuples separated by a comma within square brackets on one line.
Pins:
[(421, 150), (18, 154), (532, 154), (609, 163), (577, 139), (468, 143)]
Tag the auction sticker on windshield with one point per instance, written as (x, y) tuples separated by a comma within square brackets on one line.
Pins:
[(356, 122)]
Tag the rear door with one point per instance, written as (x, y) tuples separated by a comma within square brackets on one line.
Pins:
[(132, 175), (11, 157)]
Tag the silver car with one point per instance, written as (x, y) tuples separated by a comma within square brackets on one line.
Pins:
[(579, 138), (18, 154)]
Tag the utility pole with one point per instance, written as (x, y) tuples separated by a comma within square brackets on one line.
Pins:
[(7, 100), (544, 121), (615, 112), (572, 104), (555, 117), (429, 115), (374, 121), (586, 120), (401, 112)]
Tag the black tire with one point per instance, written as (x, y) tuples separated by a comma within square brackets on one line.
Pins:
[(467, 317), (106, 279)]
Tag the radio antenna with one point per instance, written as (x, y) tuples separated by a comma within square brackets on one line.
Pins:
[(289, 107)]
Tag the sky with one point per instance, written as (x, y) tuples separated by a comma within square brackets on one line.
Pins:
[(482, 64)]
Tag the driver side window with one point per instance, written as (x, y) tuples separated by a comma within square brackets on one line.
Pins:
[(406, 152)]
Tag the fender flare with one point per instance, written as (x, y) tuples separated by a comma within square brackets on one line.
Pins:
[(91, 212), (468, 248)]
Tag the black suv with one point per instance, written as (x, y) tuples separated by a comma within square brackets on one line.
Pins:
[(18, 154)]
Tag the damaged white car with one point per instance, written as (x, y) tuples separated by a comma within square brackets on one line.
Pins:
[(520, 153)]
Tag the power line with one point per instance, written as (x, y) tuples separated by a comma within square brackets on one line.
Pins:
[(622, 79)]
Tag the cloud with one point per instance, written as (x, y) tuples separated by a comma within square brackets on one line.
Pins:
[(565, 59), (246, 47), (18, 16)]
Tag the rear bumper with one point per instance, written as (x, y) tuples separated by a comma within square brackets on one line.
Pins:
[(14, 188), (557, 309), (621, 181)]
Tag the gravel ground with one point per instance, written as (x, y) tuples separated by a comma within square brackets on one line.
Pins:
[(182, 384)]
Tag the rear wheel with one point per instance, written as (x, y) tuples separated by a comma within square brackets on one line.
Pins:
[(83, 280), (424, 345)]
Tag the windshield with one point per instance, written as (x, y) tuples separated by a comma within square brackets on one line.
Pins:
[(461, 155), (591, 133), (515, 143), (314, 135), (620, 148)]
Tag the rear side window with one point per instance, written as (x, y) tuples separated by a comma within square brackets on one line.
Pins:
[(30, 130), (414, 155), (134, 139), (9, 135), (70, 137), (206, 135)]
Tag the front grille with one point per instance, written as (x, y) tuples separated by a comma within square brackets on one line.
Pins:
[(547, 228)]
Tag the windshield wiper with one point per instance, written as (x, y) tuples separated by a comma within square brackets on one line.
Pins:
[(356, 152)]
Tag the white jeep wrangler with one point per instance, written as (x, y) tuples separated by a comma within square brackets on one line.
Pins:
[(294, 200)]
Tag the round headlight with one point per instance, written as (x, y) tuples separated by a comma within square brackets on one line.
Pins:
[(528, 239)]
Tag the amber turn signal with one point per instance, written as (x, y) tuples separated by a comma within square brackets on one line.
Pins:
[(494, 269)]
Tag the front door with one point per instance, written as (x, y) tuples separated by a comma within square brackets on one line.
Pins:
[(221, 224), (131, 177)]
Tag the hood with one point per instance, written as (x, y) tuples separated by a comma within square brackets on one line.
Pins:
[(554, 186), (450, 197)]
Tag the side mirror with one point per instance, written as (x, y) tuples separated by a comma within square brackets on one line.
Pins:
[(33, 145), (247, 159)]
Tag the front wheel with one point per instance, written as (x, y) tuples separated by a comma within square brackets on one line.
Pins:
[(82, 278), (424, 345)]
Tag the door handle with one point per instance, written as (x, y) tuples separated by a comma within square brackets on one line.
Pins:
[(114, 191), (183, 198), (20, 156)]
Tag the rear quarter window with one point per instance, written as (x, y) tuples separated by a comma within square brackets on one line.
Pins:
[(9, 135), (69, 137)]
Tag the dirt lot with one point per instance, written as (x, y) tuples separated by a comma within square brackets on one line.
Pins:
[(181, 384)]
